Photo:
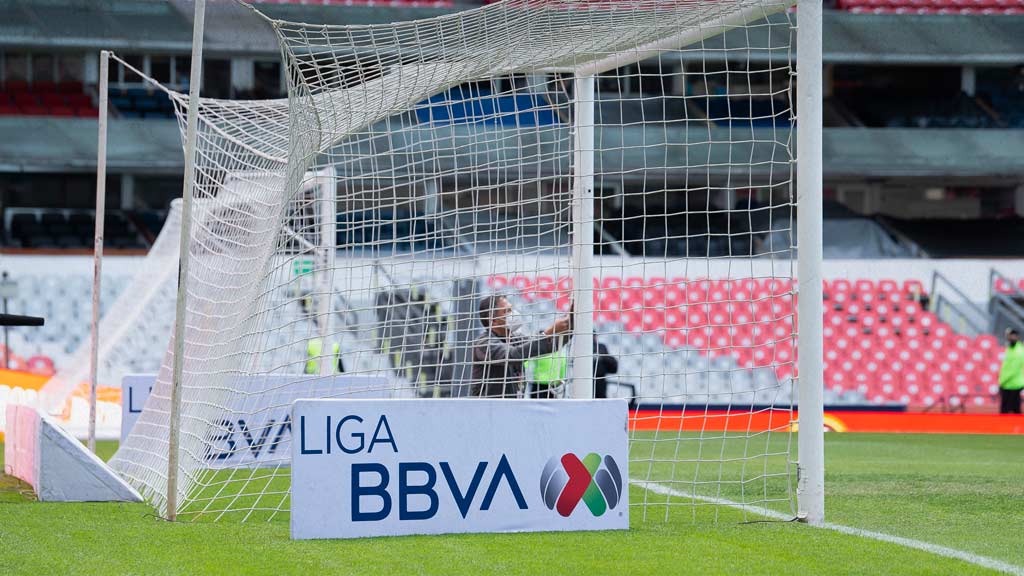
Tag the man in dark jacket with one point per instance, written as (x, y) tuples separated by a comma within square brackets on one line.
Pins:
[(498, 355)]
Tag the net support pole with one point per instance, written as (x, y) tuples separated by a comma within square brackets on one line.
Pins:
[(192, 122), (583, 237), (97, 254), (811, 463)]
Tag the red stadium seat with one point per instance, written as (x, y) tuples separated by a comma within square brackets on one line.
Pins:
[(697, 339), (16, 86), (885, 286), (674, 338), (696, 318), (545, 288), (841, 285), (864, 287), (673, 295), (857, 356), (25, 99), (861, 380), (70, 87), (961, 382), (888, 382), (986, 342), (913, 288), (52, 99), (831, 354), (611, 282), (836, 381)]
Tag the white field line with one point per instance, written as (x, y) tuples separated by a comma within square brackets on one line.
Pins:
[(983, 561)]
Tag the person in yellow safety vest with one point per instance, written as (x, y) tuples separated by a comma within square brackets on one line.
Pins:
[(548, 372), (1011, 376), (314, 351)]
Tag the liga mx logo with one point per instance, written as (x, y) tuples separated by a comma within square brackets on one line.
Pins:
[(566, 480)]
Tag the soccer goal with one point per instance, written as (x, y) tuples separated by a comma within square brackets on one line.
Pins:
[(632, 163)]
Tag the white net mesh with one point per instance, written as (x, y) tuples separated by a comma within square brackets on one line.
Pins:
[(417, 168)]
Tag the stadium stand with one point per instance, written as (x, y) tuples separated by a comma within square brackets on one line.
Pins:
[(65, 301), (882, 346)]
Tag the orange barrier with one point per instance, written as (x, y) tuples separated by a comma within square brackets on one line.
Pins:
[(836, 421), (23, 380), (14, 379)]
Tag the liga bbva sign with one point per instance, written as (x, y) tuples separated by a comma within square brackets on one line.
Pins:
[(395, 467)]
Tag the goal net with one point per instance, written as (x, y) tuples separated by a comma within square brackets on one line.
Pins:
[(631, 162)]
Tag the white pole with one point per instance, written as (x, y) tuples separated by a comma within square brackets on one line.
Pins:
[(195, 78), (811, 466), (583, 237), (325, 281), (97, 254)]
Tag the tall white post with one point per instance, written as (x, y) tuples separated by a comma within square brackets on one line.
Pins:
[(325, 185), (192, 122), (97, 255), (583, 237), (811, 464)]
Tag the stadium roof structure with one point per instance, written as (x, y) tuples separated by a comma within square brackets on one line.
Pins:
[(947, 39), (849, 38), (39, 144), (165, 25), (106, 24), (51, 144)]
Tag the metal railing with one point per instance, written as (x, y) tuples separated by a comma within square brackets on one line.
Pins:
[(961, 314), (1003, 307)]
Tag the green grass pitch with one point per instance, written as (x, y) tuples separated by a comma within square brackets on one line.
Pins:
[(963, 492)]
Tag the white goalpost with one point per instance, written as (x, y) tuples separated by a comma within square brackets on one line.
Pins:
[(632, 162)]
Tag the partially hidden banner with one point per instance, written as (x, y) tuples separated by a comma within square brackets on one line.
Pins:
[(394, 467), (255, 427)]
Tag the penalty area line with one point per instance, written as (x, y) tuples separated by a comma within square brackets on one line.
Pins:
[(945, 551)]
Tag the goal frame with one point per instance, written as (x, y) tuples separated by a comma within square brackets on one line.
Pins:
[(810, 465)]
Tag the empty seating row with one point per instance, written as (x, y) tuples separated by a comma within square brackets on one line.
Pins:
[(42, 86), (30, 228), (45, 99), (141, 103)]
